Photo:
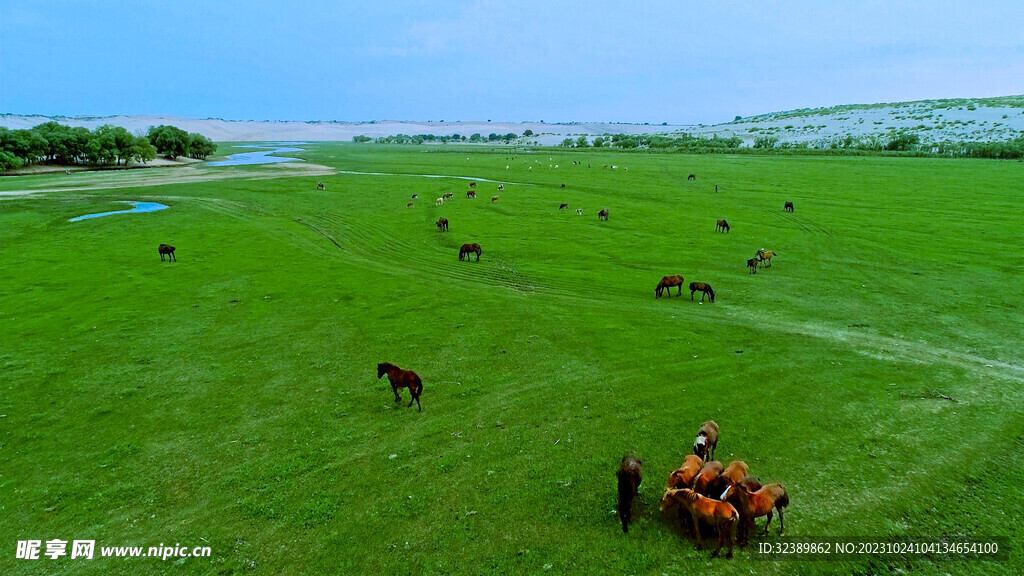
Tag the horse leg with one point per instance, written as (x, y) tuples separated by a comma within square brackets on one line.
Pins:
[(696, 531), (691, 295), (394, 388), (680, 293), (768, 523), (721, 539), (173, 257), (782, 525)]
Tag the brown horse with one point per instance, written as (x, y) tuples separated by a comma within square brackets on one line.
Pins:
[(409, 205), (751, 483), (753, 505), (722, 516), (472, 184), (722, 225), (320, 186), (765, 256), (736, 470), (707, 437), (691, 177), (709, 472), (168, 250), (667, 282), (470, 194), (563, 206), (468, 249), (705, 290), (495, 198), (442, 224), (402, 379), (687, 473), (752, 265), (787, 207), (449, 195), (629, 477), (603, 214)]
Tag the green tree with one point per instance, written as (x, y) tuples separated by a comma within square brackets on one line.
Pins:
[(170, 141), (199, 146), (527, 133), (567, 143), (581, 142)]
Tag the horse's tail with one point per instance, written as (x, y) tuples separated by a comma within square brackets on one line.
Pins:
[(783, 500), (419, 385), (627, 490)]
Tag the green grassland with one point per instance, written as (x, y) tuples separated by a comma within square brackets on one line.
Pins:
[(230, 399)]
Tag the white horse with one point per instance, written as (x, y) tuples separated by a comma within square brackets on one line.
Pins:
[(439, 201)]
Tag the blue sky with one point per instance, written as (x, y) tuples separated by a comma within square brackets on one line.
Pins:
[(618, 61)]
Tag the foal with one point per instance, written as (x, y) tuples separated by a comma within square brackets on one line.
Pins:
[(402, 379)]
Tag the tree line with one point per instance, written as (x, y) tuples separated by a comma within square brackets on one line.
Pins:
[(55, 143)]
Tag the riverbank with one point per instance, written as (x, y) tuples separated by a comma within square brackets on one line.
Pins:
[(58, 168)]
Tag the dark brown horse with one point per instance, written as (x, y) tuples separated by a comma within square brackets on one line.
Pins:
[(472, 184), (168, 250), (442, 224), (468, 249), (402, 379), (705, 290), (691, 177), (759, 503), (667, 282), (722, 225), (470, 194), (409, 205), (563, 206), (415, 196), (788, 207), (629, 477), (752, 265), (562, 186), (603, 214)]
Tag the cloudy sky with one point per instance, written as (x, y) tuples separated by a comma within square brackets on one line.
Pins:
[(651, 61)]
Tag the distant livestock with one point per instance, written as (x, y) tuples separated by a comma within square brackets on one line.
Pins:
[(495, 198), (442, 224), (402, 379), (470, 194), (579, 211), (409, 205), (667, 283), (468, 249), (765, 257), (320, 186), (691, 177), (704, 289), (722, 225), (472, 184), (752, 265), (439, 201), (603, 214), (415, 196), (563, 206), (788, 207), (167, 250), (562, 186), (501, 186)]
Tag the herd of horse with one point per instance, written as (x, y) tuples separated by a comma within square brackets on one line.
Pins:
[(705, 492)]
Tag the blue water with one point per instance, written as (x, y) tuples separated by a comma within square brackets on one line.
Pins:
[(260, 157), (138, 207)]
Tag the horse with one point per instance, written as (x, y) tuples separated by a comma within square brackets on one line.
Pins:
[(468, 249), (722, 516), (765, 256), (787, 207), (711, 470), (667, 283), (402, 379), (579, 211), (563, 206), (705, 291), (320, 186), (752, 265), (759, 503), (603, 214), (691, 177), (722, 225), (409, 205), (687, 473), (751, 483), (439, 201), (470, 194), (415, 196), (501, 186), (472, 184), (168, 250), (442, 224), (707, 437), (736, 470), (629, 477), (494, 198), (448, 195), (563, 185)]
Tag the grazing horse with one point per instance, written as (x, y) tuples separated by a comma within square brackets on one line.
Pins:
[(691, 177), (711, 470), (707, 437), (722, 225), (687, 473), (667, 283), (752, 265), (472, 184), (787, 207), (167, 249), (765, 256), (562, 186), (563, 206), (501, 186), (448, 195), (470, 194), (603, 214), (439, 201), (415, 196), (402, 379), (759, 503), (722, 516), (579, 211), (468, 249), (442, 224), (320, 186), (705, 290), (495, 198), (629, 477), (409, 205)]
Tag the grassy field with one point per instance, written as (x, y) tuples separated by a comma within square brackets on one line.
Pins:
[(230, 399)]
